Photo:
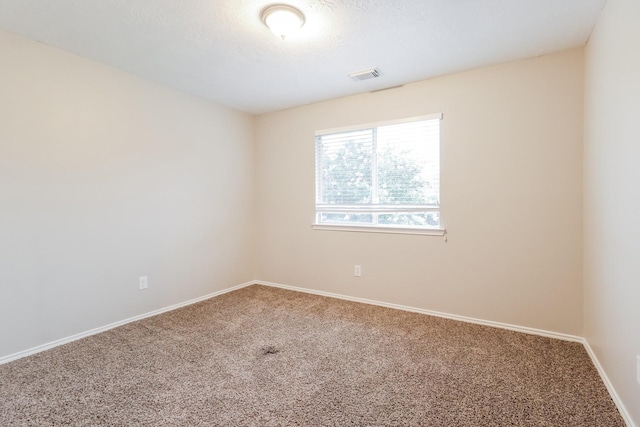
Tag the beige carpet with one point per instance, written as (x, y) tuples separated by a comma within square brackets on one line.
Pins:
[(261, 356)]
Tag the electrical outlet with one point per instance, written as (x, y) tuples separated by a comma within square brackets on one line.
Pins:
[(357, 271), (143, 282), (638, 369)]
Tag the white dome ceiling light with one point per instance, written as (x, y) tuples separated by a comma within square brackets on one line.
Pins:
[(283, 20)]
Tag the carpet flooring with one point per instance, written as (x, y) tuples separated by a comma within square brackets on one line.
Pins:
[(262, 356)]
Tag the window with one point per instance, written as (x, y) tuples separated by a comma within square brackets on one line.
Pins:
[(382, 177)]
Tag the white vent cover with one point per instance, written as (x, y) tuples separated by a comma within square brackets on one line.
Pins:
[(365, 75)]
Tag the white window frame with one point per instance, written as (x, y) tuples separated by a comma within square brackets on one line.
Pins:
[(435, 231)]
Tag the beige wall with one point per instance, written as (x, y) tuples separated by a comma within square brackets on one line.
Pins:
[(511, 198), (612, 197), (105, 177)]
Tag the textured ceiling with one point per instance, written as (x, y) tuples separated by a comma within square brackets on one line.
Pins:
[(219, 49)]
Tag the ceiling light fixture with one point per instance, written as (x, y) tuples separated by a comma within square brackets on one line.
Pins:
[(283, 20)]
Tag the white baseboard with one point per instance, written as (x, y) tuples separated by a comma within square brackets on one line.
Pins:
[(56, 343), (526, 330), (612, 391)]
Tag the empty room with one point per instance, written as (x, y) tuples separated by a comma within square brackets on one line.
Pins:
[(319, 213)]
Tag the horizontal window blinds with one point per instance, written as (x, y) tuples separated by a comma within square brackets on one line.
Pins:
[(368, 175)]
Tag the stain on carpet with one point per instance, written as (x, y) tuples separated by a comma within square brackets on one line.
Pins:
[(268, 350)]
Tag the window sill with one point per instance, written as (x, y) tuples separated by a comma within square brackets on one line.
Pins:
[(389, 230)]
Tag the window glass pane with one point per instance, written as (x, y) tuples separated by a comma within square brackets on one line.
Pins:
[(409, 163), (377, 169), (345, 162), (410, 219), (346, 218)]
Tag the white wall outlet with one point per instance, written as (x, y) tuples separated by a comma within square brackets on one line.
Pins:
[(143, 282), (357, 271), (638, 369)]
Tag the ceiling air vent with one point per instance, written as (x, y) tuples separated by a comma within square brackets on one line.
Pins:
[(365, 75)]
